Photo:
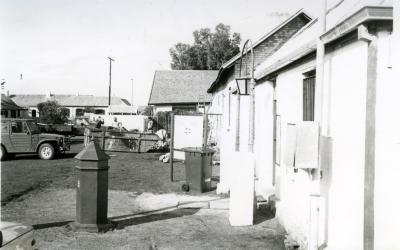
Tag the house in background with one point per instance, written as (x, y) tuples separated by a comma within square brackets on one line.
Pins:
[(184, 90), (75, 104), (9, 109)]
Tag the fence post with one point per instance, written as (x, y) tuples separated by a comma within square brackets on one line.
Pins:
[(171, 147), (104, 139)]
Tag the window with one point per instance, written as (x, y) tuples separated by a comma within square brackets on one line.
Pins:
[(19, 127), (33, 113), (4, 113), (308, 98), (67, 111), (79, 112), (100, 112), (13, 114)]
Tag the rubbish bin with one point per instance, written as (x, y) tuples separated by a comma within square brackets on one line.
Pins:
[(198, 163)]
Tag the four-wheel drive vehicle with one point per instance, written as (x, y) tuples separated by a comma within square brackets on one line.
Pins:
[(16, 236), (22, 136)]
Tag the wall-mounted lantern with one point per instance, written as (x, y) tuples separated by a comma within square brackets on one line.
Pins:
[(245, 86), (244, 82)]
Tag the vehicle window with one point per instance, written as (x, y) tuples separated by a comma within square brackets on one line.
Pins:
[(18, 127), (4, 127), (32, 125)]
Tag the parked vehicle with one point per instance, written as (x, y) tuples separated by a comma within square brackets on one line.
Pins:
[(16, 236), (61, 129), (22, 136)]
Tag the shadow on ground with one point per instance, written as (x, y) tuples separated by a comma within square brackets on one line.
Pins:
[(176, 213)]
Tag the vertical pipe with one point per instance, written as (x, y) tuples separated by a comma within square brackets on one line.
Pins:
[(237, 145), (109, 86), (132, 92), (251, 115), (318, 117), (171, 148)]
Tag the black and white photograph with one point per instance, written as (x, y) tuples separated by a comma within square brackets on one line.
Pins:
[(200, 124)]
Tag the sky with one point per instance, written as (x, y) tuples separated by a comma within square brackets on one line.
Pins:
[(62, 46)]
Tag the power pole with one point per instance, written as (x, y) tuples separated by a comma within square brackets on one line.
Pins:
[(109, 86), (132, 92)]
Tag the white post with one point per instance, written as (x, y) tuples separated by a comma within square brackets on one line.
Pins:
[(387, 217), (318, 117)]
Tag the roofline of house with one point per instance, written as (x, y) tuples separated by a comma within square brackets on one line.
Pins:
[(152, 86), (74, 106), (266, 36), (177, 103), (231, 61), (350, 24), (154, 78), (363, 15)]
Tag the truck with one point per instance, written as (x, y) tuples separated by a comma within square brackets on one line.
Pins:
[(22, 136)]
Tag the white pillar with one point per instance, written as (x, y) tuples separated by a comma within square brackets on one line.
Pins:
[(387, 176)]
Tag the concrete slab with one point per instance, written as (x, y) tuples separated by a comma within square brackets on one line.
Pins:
[(220, 204), (194, 205)]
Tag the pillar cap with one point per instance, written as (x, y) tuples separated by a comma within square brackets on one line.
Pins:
[(92, 152)]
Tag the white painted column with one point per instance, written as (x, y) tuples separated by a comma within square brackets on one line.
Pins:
[(387, 176)]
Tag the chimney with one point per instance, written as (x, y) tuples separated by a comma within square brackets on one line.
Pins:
[(48, 95)]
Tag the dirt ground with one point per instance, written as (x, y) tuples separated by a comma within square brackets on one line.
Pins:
[(42, 193)]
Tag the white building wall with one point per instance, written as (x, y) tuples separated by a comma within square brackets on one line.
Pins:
[(162, 108), (227, 135), (293, 207), (346, 84), (346, 74), (387, 147), (263, 143)]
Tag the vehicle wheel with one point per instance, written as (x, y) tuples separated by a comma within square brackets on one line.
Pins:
[(46, 151), (3, 153)]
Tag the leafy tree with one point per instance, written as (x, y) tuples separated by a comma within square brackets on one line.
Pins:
[(148, 111), (209, 50), (52, 113)]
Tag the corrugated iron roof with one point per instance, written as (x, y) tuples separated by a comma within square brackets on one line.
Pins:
[(8, 104), (181, 86)]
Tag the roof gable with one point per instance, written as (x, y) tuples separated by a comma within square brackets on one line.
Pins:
[(265, 46), (181, 86), (8, 104)]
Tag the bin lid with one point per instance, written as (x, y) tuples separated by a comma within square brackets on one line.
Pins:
[(198, 150)]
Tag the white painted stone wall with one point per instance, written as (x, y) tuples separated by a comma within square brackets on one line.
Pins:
[(346, 74), (293, 208), (162, 108), (387, 171), (264, 95)]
